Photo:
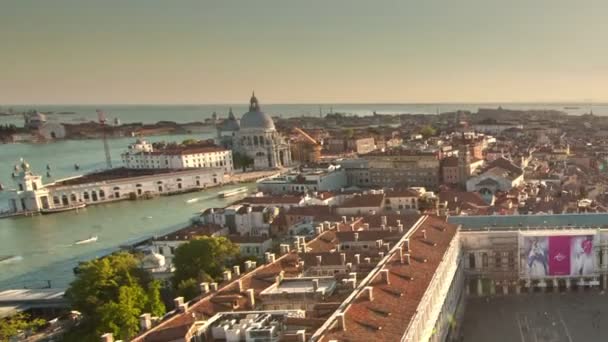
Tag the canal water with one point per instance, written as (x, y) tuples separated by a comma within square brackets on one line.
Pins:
[(43, 246)]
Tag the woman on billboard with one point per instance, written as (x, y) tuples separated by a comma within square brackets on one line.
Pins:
[(537, 260), (582, 255)]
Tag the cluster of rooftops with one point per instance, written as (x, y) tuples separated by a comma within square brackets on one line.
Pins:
[(358, 278)]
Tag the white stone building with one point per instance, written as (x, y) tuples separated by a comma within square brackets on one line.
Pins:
[(142, 155)]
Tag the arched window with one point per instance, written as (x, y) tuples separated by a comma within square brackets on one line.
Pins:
[(85, 195), (102, 194), (255, 140), (73, 198)]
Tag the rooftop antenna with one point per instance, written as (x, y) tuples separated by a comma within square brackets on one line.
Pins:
[(101, 116)]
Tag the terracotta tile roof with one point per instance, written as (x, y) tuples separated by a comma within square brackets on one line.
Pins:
[(288, 199), (366, 200), (311, 210), (387, 316), (402, 193)]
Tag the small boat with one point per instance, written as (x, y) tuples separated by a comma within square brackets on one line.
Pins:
[(7, 259), (85, 241), (232, 192), (62, 209), (76, 167)]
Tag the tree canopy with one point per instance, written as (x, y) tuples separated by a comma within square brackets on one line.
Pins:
[(428, 131), (112, 293), (201, 259), (12, 326), (242, 161)]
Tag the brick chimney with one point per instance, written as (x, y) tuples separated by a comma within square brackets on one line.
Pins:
[(368, 292), (177, 302), (384, 275), (145, 322), (251, 298), (204, 287), (107, 337)]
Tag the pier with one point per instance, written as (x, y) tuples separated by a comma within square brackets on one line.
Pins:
[(19, 300)]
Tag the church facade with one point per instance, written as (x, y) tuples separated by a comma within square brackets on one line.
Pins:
[(257, 137)]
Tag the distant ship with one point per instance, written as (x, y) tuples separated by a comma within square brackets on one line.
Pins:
[(572, 107), (62, 209)]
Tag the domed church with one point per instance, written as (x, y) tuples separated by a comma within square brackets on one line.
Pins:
[(258, 138)]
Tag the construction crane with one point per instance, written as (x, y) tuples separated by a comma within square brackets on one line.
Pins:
[(311, 154), (102, 121)]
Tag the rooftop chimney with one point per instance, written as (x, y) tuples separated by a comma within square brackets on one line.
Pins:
[(357, 259), (267, 257), (378, 244), (239, 285), (213, 287), (183, 308), (107, 337), (383, 220), (381, 255), (204, 287), (424, 234), (352, 227), (319, 260), (177, 302), (366, 226), (349, 266), (236, 270), (368, 260), (356, 236), (406, 245), (383, 227), (400, 227), (368, 292), (145, 322), (284, 248), (342, 259), (385, 278), (400, 251), (248, 266), (343, 219), (315, 285), (407, 259), (398, 222), (341, 321), (251, 298), (227, 276), (351, 284), (301, 334)]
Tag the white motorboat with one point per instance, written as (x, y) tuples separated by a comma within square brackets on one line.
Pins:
[(89, 240), (233, 192)]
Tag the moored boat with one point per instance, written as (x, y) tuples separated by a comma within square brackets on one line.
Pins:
[(62, 209)]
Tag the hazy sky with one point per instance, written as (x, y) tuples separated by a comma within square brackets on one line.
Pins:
[(160, 51)]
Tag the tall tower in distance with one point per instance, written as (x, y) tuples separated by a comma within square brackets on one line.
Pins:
[(102, 121)]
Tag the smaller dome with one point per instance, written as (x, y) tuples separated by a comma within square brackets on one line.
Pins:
[(230, 124)]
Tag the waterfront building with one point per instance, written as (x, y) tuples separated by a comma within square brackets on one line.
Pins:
[(142, 155), (314, 179), (258, 138), (34, 119), (31, 196)]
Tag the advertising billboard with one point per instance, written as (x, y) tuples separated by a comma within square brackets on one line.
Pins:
[(555, 256)]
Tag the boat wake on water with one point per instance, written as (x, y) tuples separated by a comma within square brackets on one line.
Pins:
[(85, 241), (10, 259)]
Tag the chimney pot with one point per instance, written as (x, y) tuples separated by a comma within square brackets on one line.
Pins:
[(251, 298), (385, 277), (177, 302), (368, 260), (369, 293), (356, 236), (357, 259), (204, 287), (213, 287), (107, 337), (183, 308), (227, 276), (236, 270), (145, 322)]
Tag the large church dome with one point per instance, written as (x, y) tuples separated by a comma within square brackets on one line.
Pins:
[(255, 118)]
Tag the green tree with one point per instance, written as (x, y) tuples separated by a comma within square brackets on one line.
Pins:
[(18, 323), (112, 292), (428, 131), (202, 258), (188, 289), (242, 161), (189, 142), (349, 132)]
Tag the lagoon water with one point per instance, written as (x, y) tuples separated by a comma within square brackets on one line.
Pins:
[(43, 245)]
